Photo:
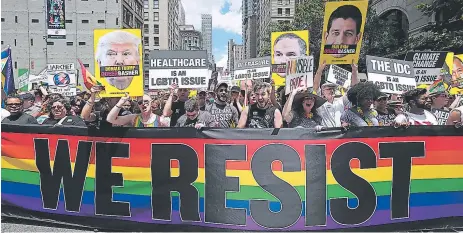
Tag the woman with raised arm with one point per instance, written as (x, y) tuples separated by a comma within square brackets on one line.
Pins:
[(300, 109)]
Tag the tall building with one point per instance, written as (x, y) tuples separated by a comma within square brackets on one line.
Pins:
[(24, 28), (206, 31), (236, 52), (181, 16), (190, 39), (250, 15), (239, 52)]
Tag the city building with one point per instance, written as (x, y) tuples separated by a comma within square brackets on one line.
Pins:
[(24, 29), (190, 39), (181, 16), (235, 53), (239, 52), (250, 16), (206, 32)]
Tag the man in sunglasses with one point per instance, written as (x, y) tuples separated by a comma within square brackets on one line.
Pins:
[(194, 117), (386, 115), (221, 110), (14, 105), (178, 107)]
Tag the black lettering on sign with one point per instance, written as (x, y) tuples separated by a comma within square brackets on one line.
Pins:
[(315, 185), (217, 184), (105, 179), (163, 184), (193, 81), (401, 171), (342, 173), (50, 181), (290, 201)]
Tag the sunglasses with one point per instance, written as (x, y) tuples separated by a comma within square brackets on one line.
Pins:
[(14, 104), (141, 102), (57, 107)]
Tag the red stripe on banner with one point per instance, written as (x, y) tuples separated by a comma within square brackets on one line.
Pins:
[(439, 150)]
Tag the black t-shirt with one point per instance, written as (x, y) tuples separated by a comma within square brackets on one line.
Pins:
[(386, 118), (178, 109), (70, 120), (261, 118), (21, 119), (100, 120)]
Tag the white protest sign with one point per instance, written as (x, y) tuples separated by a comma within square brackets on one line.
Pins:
[(23, 80), (391, 76), (62, 79), (427, 65), (187, 68), (299, 70), (339, 76), (255, 68)]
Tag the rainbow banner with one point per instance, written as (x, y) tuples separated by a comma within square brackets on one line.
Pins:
[(248, 180)]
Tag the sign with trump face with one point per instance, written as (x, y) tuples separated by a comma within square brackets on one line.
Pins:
[(118, 61)]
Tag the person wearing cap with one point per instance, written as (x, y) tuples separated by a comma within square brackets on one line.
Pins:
[(235, 98), (224, 113), (300, 109), (386, 115), (396, 106), (29, 105), (178, 105), (194, 117), (202, 99), (362, 96), (438, 100)]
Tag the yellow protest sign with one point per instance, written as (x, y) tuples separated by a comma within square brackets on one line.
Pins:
[(118, 61), (343, 31), (457, 71), (286, 45)]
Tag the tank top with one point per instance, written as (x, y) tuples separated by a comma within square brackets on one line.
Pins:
[(139, 124), (260, 118)]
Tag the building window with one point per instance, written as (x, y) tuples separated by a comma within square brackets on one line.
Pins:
[(16, 19), (84, 0), (280, 11), (86, 65), (16, 65), (81, 43), (100, 21), (50, 43), (145, 4), (155, 4), (68, 21), (32, 42), (146, 41), (280, 2), (3, 19), (156, 29), (146, 28), (156, 41), (35, 20), (138, 24), (14, 42), (146, 16), (117, 20), (156, 16), (287, 11), (84, 21), (70, 43), (2, 41), (127, 17)]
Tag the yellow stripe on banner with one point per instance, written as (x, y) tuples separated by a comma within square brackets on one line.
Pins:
[(246, 177)]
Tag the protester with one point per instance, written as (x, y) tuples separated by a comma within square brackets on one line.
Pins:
[(300, 109), (194, 117), (416, 115), (60, 114), (237, 99), (29, 105), (178, 106), (361, 113), (224, 113), (14, 105), (98, 118), (386, 115), (146, 119), (261, 114), (156, 107), (456, 117), (202, 99), (439, 100)]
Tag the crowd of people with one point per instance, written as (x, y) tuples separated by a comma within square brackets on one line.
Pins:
[(260, 106)]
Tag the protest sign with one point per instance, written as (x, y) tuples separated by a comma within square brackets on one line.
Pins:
[(228, 179), (56, 19), (299, 70), (343, 31), (427, 65), (441, 115), (62, 79), (254, 68), (118, 61), (457, 71), (187, 68), (23, 79), (285, 45), (391, 76), (339, 76)]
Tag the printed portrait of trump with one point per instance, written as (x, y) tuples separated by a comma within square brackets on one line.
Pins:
[(118, 48), (344, 27), (288, 46)]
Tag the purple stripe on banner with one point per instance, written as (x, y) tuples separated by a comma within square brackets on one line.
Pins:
[(144, 215)]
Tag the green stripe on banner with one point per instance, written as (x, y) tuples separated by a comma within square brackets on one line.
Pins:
[(249, 192)]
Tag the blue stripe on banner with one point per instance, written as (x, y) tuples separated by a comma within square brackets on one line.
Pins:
[(140, 201)]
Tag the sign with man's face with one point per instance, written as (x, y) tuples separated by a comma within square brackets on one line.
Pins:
[(285, 46), (118, 61), (342, 31)]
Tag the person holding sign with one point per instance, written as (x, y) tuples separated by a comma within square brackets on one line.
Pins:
[(300, 109), (417, 115), (361, 114)]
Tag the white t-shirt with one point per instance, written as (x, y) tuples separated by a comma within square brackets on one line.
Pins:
[(330, 113), (425, 119), (5, 113)]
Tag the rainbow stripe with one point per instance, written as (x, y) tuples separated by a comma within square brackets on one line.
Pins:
[(436, 180)]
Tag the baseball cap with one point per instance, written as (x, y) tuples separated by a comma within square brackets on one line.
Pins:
[(202, 90), (221, 84), (383, 95), (27, 96), (235, 89), (329, 85)]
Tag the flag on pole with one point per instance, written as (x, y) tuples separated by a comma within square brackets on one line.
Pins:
[(89, 79), (7, 72)]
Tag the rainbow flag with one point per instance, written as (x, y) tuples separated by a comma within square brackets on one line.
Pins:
[(436, 180), (7, 72), (89, 79)]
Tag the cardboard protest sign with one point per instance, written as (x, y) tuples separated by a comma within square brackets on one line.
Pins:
[(339, 76), (118, 61), (390, 75), (62, 79), (441, 115), (285, 45), (427, 65), (343, 31), (299, 70), (187, 68), (254, 68)]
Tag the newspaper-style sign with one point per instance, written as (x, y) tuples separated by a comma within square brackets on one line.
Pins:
[(62, 79), (441, 115), (390, 75), (339, 76), (427, 65), (56, 19), (299, 70), (188, 68), (255, 68)]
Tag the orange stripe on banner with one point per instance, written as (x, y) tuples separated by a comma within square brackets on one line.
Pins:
[(439, 150)]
